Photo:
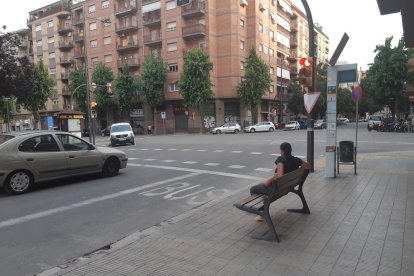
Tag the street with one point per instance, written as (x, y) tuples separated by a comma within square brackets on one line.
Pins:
[(165, 176)]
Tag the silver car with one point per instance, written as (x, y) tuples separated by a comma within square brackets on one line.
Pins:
[(31, 157), (262, 126), (227, 128)]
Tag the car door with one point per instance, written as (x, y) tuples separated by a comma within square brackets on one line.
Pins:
[(42, 156), (81, 157)]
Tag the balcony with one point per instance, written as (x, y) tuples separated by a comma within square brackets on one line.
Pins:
[(66, 61), (78, 37), (196, 8), (127, 45), (66, 91), (151, 19), (132, 62), (78, 20), (194, 31), (130, 6), (293, 27), (283, 49), (79, 53), (65, 44), (154, 39), (64, 28), (64, 76), (24, 44), (126, 26), (293, 42), (64, 14)]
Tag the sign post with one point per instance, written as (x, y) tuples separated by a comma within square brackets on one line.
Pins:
[(356, 97), (163, 116)]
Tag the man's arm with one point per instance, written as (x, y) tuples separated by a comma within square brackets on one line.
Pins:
[(305, 165), (280, 171)]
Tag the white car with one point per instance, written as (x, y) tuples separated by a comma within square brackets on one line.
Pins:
[(293, 125), (226, 128), (121, 133), (342, 120), (262, 126), (374, 120)]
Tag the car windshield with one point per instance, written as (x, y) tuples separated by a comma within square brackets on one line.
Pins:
[(120, 128), (5, 137), (319, 121), (375, 118), (291, 122)]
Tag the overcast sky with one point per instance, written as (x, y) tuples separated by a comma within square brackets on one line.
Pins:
[(360, 19)]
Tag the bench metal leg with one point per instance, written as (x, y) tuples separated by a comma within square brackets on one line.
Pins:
[(270, 235), (305, 209)]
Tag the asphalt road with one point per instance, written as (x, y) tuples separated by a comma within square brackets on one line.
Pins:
[(166, 176)]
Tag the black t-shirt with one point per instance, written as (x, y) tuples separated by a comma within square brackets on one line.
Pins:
[(290, 166)]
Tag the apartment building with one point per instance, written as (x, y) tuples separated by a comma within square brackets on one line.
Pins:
[(322, 44), (118, 32)]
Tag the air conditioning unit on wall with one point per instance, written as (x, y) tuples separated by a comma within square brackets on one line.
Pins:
[(243, 3)]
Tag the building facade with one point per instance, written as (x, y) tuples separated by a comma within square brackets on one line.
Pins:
[(322, 44)]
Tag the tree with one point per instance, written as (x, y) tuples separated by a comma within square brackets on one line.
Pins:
[(102, 75), (296, 92), (154, 75), (16, 73), (321, 86), (256, 82), (388, 75), (124, 86), (345, 105), (77, 80), (195, 83), (42, 90)]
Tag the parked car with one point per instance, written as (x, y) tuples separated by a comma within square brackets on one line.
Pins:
[(319, 124), (121, 133), (262, 126), (374, 120), (226, 128), (303, 124), (37, 156), (279, 125), (342, 121), (85, 132), (292, 125), (106, 131)]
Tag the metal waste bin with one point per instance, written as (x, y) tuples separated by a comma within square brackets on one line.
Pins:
[(346, 151)]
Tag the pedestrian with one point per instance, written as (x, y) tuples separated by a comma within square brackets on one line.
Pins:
[(285, 163), (149, 129)]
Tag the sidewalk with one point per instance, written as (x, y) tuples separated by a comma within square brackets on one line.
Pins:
[(359, 225)]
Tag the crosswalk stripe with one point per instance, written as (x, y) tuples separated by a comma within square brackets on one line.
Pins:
[(168, 161), (236, 167), (255, 152), (185, 149), (212, 164), (132, 149), (202, 150), (157, 149), (149, 159), (218, 150), (172, 149), (133, 158), (237, 151), (263, 170), (189, 162)]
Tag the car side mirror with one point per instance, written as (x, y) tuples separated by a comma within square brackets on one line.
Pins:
[(91, 147)]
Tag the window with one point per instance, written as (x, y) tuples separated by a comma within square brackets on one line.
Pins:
[(171, 5), (171, 26), (72, 143), (39, 43), (105, 4), (92, 26), (108, 58), (265, 50), (94, 43), (261, 28), (55, 102), (172, 47), (50, 24), (271, 88), (51, 40), (271, 70), (107, 40), (92, 9), (260, 47), (271, 34), (242, 24), (52, 55), (95, 61), (242, 65), (42, 143), (242, 44), (38, 28), (271, 52), (173, 87), (173, 67), (106, 22), (52, 70)]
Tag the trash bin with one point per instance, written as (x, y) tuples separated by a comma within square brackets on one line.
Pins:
[(346, 151)]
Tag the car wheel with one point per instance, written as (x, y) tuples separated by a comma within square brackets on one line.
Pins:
[(133, 142), (271, 129), (218, 131), (236, 131), (112, 144), (18, 182), (252, 130), (111, 167)]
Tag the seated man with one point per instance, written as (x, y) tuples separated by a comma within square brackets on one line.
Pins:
[(285, 163)]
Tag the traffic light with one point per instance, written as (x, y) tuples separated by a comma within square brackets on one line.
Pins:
[(305, 72), (93, 109)]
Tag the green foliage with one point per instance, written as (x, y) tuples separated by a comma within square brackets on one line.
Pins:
[(102, 75), (195, 83), (42, 91), (321, 86), (386, 77), (296, 92), (255, 84), (344, 102), (154, 76), (124, 86), (77, 80)]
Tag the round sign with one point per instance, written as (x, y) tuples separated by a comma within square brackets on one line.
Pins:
[(356, 94)]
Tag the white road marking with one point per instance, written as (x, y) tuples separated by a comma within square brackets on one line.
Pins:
[(132, 149), (236, 167), (237, 151), (218, 151), (42, 214), (212, 164), (382, 142), (133, 158), (263, 170), (241, 176), (143, 149), (168, 161), (202, 150), (157, 149), (185, 149), (189, 162), (255, 152), (275, 154), (149, 159), (171, 149)]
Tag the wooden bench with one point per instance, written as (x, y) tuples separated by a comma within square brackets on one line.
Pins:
[(259, 204)]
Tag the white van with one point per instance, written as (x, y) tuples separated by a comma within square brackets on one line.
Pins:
[(374, 120), (121, 133)]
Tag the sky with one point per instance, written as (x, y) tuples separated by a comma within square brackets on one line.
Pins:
[(360, 19)]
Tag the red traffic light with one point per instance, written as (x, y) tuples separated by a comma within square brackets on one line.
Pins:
[(305, 62)]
